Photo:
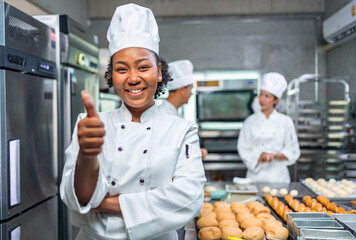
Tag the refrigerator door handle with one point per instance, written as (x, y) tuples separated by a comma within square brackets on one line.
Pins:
[(14, 173)]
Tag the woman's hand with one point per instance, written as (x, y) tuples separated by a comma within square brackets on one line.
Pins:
[(266, 157), (90, 130), (90, 138), (109, 205)]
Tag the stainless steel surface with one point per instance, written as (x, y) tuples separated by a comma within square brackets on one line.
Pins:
[(80, 80), (314, 224), (38, 223), (22, 32), (79, 47), (318, 234), (295, 215), (345, 217), (28, 105)]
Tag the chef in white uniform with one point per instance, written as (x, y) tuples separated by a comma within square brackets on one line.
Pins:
[(180, 90), (133, 173), (267, 143)]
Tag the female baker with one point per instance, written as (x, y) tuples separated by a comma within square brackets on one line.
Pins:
[(267, 143), (133, 173)]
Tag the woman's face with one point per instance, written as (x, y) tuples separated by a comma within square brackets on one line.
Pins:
[(135, 77), (267, 100)]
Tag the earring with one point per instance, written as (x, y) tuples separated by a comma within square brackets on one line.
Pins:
[(160, 78)]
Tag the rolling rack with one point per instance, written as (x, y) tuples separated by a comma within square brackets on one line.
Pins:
[(323, 130)]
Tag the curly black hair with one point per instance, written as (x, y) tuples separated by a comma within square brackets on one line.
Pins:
[(166, 76)]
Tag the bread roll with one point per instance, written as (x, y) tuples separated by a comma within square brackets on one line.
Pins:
[(209, 233), (260, 209), (283, 192), (241, 210), (331, 206), (306, 199), (231, 232), (252, 205), (274, 192), (265, 217), (224, 216), (288, 199), (251, 222), (228, 223), (236, 205), (301, 207), (243, 216), (253, 233), (323, 200), (275, 202), (268, 199), (221, 204), (295, 204), (266, 190), (276, 231), (294, 193), (222, 210), (340, 210), (207, 214), (207, 206), (207, 222)]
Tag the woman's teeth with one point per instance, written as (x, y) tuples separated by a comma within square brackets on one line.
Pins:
[(136, 91)]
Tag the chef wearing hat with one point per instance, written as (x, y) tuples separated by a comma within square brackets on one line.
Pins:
[(267, 143), (133, 173), (180, 90)]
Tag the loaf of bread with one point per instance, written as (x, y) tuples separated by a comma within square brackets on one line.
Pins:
[(228, 223), (253, 233), (207, 222), (243, 216), (225, 215), (209, 233), (323, 200), (260, 209), (251, 222), (231, 232), (276, 231)]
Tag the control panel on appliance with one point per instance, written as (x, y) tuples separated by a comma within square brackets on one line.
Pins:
[(15, 59), (45, 67), (82, 60)]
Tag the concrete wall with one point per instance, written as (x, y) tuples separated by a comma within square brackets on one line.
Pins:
[(285, 45), (341, 60)]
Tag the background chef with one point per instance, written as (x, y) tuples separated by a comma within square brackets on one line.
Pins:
[(267, 142), (180, 90), (133, 173)]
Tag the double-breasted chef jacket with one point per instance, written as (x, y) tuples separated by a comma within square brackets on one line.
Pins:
[(154, 165), (275, 134)]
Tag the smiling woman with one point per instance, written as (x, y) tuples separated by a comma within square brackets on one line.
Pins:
[(128, 174)]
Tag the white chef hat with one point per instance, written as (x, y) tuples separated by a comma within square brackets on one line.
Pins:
[(133, 26), (181, 73), (274, 83)]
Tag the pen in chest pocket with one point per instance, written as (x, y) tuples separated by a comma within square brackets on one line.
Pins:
[(186, 150)]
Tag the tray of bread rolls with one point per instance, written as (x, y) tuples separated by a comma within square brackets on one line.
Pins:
[(333, 189), (250, 219)]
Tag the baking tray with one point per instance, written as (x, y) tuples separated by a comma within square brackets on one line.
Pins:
[(319, 234), (351, 197), (299, 224), (297, 215)]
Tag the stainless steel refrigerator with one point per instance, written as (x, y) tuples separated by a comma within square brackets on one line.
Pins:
[(28, 128), (77, 60)]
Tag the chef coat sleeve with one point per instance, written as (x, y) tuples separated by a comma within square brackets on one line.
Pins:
[(67, 191), (245, 147), (166, 208), (291, 146)]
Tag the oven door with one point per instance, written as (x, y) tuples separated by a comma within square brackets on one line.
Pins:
[(28, 141)]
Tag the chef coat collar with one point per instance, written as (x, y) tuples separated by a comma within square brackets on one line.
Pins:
[(272, 116), (149, 114)]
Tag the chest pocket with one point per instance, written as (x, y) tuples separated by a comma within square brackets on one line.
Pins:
[(163, 162)]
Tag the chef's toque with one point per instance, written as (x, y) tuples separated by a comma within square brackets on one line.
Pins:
[(274, 83), (182, 74), (133, 26)]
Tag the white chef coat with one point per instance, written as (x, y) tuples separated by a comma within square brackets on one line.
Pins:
[(154, 165), (273, 135), (168, 108)]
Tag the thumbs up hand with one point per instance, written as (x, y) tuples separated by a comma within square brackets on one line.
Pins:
[(90, 129)]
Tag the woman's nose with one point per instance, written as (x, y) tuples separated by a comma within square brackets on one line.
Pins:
[(134, 78)]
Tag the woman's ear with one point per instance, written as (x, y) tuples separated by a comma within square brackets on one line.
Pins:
[(276, 100), (160, 72)]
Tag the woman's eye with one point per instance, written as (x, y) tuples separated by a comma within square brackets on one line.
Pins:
[(143, 67), (121, 70)]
